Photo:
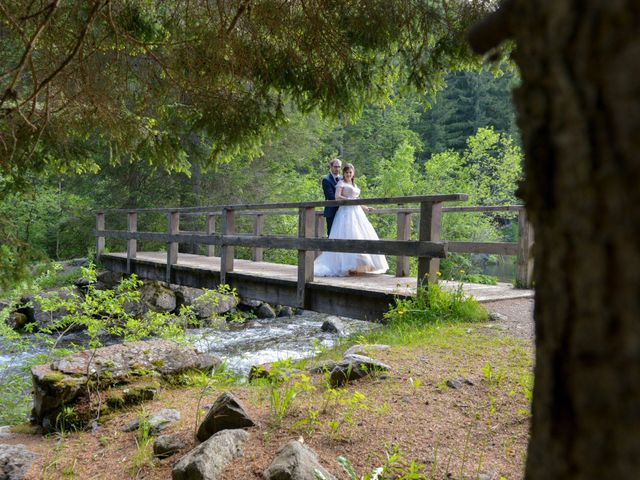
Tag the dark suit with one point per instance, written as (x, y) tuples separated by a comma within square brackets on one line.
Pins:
[(329, 189)]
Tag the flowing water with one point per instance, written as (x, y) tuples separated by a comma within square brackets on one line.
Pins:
[(240, 346)]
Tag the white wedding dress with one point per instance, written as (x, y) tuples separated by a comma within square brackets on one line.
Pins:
[(350, 223)]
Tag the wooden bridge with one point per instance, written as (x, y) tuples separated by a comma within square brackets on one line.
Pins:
[(364, 297)]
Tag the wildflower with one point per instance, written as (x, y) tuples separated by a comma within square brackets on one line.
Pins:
[(461, 271), (439, 274)]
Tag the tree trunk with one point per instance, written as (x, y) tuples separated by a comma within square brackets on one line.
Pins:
[(579, 111)]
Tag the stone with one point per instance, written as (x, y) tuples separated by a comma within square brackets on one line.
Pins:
[(107, 279), (265, 311), (166, 445), (15, 461), (294, 461), (226, 413), (455, 384), (5, 431), (365, 349), (212, 303), (334, 325), (249, 303), (36, 310), (353, 367), (17, 320), (154, 297), (286, 311), (497, 317), (157, 422), (324, 367), (64, 382), (208, 460)]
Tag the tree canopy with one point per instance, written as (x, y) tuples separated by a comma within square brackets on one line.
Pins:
[(151, 80)]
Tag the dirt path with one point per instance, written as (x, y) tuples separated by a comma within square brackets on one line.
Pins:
[(519, 314)]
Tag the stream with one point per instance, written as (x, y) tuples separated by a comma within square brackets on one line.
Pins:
[(240, 346)]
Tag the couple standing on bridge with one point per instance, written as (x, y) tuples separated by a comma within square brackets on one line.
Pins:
[(348, 222)]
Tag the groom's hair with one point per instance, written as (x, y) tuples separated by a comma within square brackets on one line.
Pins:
[(334, 160)]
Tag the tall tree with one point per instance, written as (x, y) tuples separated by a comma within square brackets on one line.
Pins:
[(579, 110)]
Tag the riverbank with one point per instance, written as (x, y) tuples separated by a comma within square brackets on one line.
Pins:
[(456, 401)]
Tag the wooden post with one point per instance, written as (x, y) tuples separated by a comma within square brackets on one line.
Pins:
[(430, 228), (306, 229), (226, 257), (132, 243), (172, 247), (99, 239), (524, 277), (320, 230), (211, 229), (404, 233), (257, 253)]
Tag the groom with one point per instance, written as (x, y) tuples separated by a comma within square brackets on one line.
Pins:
[(329, 187)]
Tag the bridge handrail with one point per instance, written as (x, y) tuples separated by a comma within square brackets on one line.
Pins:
[(428, 248)]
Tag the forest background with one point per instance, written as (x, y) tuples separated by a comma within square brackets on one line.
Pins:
[(463, 140)]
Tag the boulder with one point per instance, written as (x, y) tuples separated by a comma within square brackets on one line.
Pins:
[(365, 349), (157, 422), (286, 311), (166, 445), (324, 367), (294, 461), (265, 311), (64, 382), (17, 320), (154, 297), (333, 325), (39, 308), (249, 303), (208, 460), (15, 461), (353, 367), (206, 303), (497, 317), (226, 413), (107, 279)]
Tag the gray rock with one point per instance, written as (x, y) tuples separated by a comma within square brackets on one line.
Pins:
[(483, 476), (365, 349), (497, 317), (5, 432), (455, 384), (17, 320), (353, 367), (294, 461), (154, 297), (286, 311), (15, 461), (324, 367), (38, 312), (265, 311), (107, 280), (226, 413), (208, 460), (212, 303), (334, 325), (157, 422), (63, 382), (166, 445), (250, 303)]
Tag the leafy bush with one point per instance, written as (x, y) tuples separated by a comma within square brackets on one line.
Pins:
[(435, 304)]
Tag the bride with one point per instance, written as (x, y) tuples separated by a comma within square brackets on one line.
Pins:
[(350, 223)]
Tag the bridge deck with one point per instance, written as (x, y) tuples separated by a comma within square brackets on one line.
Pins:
[(363, 296)]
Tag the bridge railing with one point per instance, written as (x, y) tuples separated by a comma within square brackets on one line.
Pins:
[(429, 247)]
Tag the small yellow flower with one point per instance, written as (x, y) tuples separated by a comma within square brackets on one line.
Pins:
[(461, 271), (439, 274)]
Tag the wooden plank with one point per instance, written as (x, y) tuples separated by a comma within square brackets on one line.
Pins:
[(430, 227), (100, 239), (452, 197), (403, 234), (496, 248), (524, 275), (307, 225), (172, 246), (211, 229), (257, 253), (132, 243), (226, 256), (483, 208), (412, 248)]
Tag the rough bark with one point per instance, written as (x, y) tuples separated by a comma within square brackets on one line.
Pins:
[(579, 111)]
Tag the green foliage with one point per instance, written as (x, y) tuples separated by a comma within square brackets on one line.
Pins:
[(436, 305)]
